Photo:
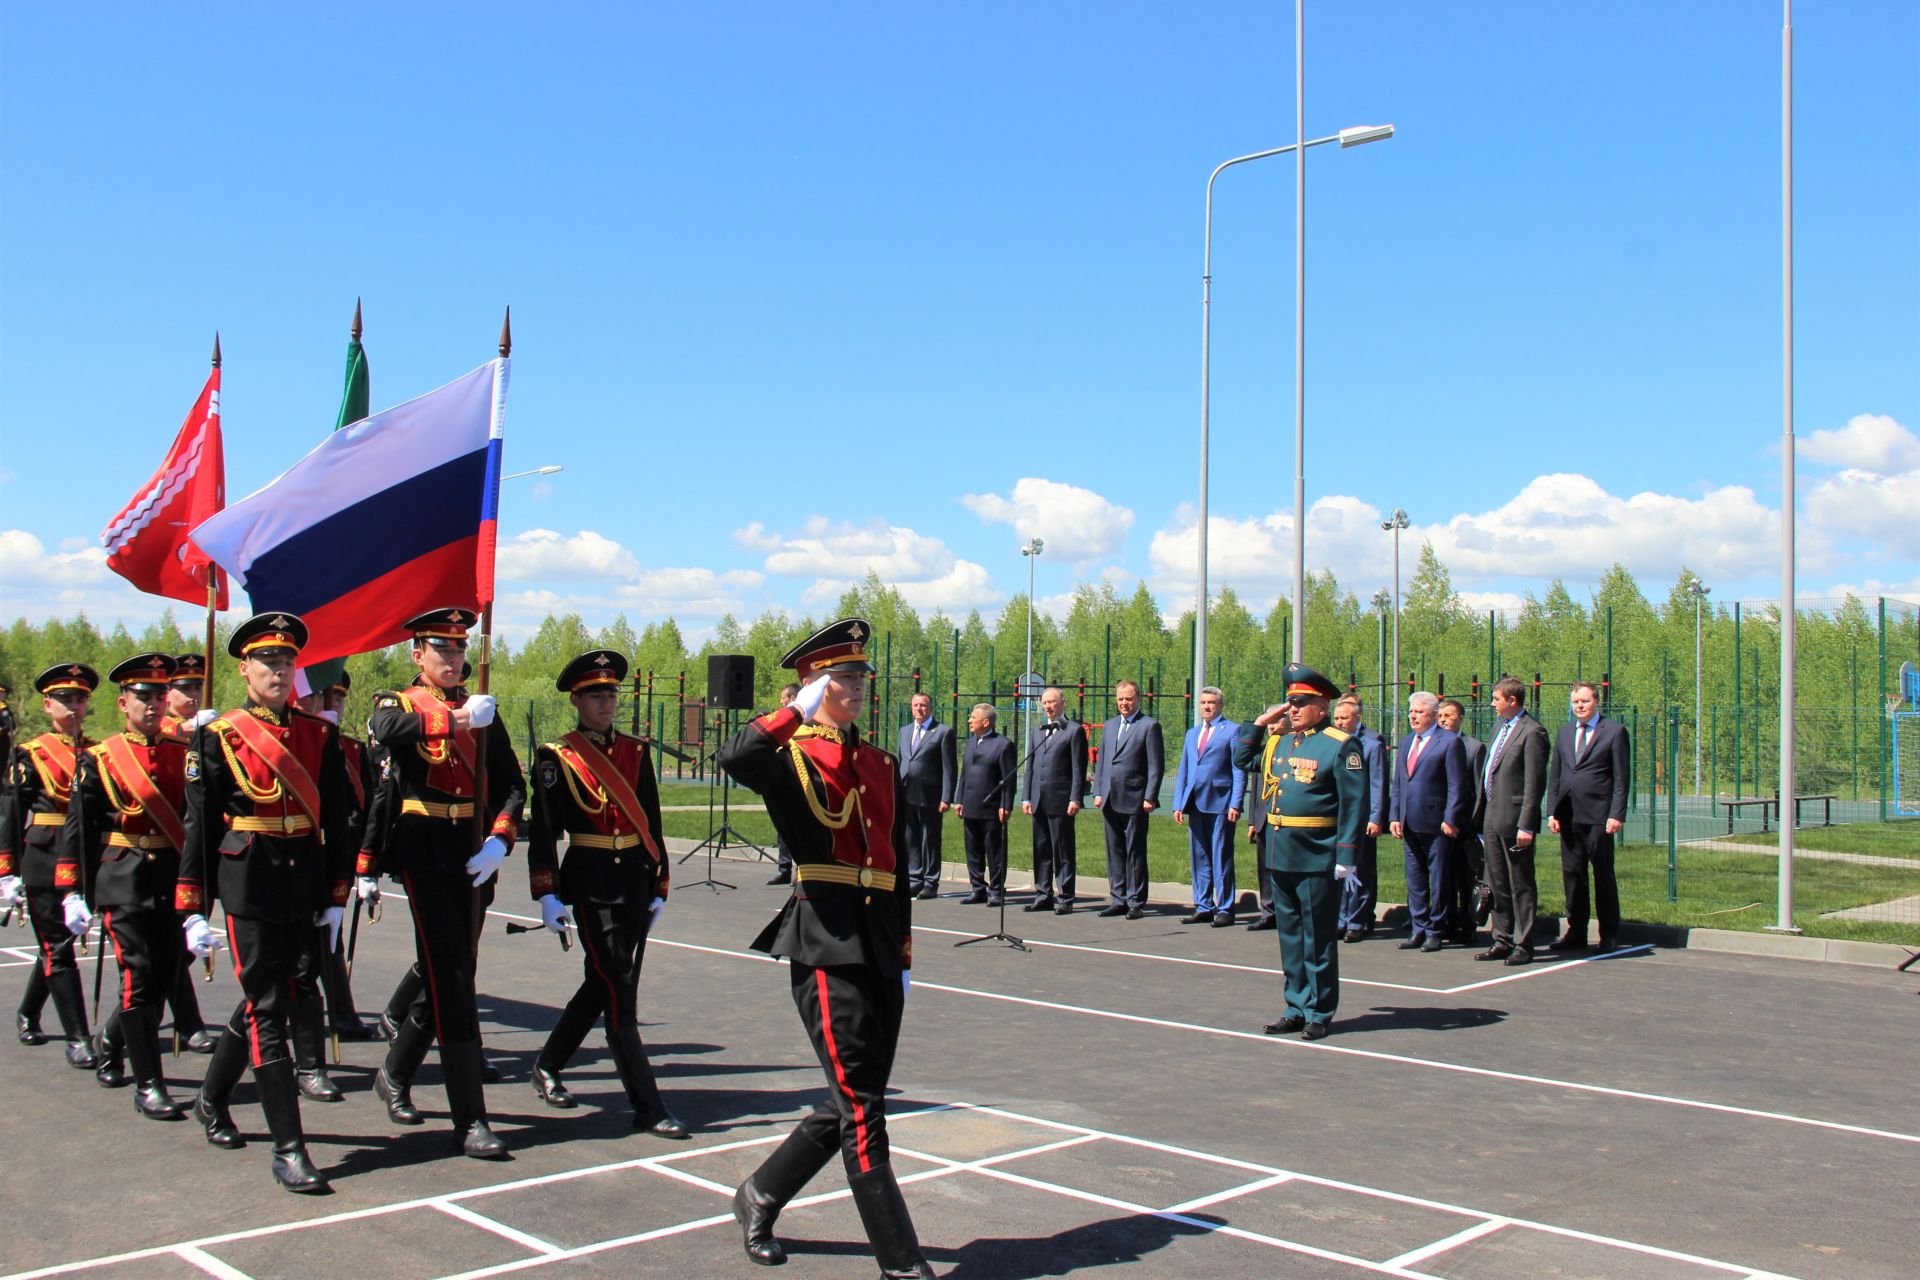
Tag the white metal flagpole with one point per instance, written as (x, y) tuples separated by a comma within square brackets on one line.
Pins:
[(1788, 809)]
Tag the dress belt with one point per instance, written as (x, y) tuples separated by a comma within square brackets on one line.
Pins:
[(594, 840), (44, 819), (837, 873), (1288, 820), (121, 840), (291, 824), (433, 809)]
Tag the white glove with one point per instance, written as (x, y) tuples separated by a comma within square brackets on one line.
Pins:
[(201, 719), (483, 864), (481, 707), (555, 914), (79, 919), (1342, 873), (906, 982), (807, 701), (331, 919), (653, 913), (11, 891), (200, 939), (368, 888)]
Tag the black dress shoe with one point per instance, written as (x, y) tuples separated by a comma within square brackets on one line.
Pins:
[(399, 1099), (29, 1029), (783, 877), (1314, 1031), (1221, 920), (1198, 917), (1117, 909), (755, 1212), (1285, 1027), (1136, 913), (201, 1041), (994, 902), (1265, 923), (1568, 942), (1494, 952), (1432, 943), (316, 1084), (1518, 958), (294, 1171), (351, 1028), (1607, 944), (1063, 909), (1038, 904), (1412, 943), (80, 1055), (1352, 935), (664, 1125), (547, 1084), (481, 1143), (151, 1100), (928, 892), (973, 899)]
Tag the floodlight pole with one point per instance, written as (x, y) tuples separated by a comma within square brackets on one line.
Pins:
[(1787, 615), (1031, 551), (1700, 593), (1396, 522)]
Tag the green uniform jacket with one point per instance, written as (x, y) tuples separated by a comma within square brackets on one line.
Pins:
[(1314, 788)]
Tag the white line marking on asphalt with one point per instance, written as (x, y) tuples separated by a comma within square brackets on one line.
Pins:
[(1232, 1193), (209, 1264), (498, 1228), (1453, 1241), (1533, 971)]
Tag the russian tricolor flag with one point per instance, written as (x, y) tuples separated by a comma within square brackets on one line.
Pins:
[(386, 519)]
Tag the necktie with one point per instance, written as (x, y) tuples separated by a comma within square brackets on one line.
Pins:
[(1580, 740), (1413, 756), (1123, 729), (919, 731), (1499, 744), (1206, 731)]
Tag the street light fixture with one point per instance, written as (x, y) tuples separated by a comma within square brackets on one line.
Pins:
[(537, 471), (1031, 551), (1356, 136), (1699, 591), (1395, 522)]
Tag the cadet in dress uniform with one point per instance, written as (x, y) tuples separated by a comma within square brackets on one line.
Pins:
[(1313, 783), (342, 1018), (128, 802), (184, 695), (596, 786), (41, 780), (427, 731), (845, 931), (266, 838)]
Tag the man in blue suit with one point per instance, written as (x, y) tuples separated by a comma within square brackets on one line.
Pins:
[(1431, 804), (1126, 784), (1358, 892), (926, 765), (1206, 801)]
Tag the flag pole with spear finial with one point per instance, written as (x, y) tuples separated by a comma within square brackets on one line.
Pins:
[(206, 685), (482, 671)]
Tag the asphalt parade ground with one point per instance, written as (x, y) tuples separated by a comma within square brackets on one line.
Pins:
[(1102, 1105)]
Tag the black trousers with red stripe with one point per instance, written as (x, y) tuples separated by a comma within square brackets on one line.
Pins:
[(46, 909), (442, 906), (852, 1015), (264, 955), (613, 945), (146, 945)]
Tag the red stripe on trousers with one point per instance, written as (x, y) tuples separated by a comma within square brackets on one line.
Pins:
[(126, 979), (253, 1022), (840, 1072), (426, 954), (613, 997)]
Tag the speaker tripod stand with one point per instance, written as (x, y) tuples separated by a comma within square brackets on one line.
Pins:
[(722, 837), (993, 803)]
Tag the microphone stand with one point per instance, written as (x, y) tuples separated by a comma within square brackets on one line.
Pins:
[(1001, 934)]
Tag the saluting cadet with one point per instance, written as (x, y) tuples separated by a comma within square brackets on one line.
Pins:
[(845, 932), (1313, 785), (183, 716), (434, 756), (128, 804), (267, 838), (41, 776), (596, 786)]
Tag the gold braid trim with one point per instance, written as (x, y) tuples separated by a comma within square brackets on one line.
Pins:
[(1269, 785), (241, 778), (574, 780), (831, 820), (128, 806)]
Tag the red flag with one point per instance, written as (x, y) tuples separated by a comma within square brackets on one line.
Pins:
[(147, 543)]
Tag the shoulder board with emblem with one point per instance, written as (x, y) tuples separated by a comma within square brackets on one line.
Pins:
[(1338, 735), (387, 699)]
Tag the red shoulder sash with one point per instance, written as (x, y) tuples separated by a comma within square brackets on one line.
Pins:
[(131, 774), (595, 768), (292, 774), (54, 760), (430, 706)]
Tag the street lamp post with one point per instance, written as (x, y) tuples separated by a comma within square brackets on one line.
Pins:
[(1381, 603), (537, 471), (1354, 137), (1699, 591), (1396, 522), (1032, 552)]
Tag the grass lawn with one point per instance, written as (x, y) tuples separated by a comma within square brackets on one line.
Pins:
[(1899, 839), (1715, 889)]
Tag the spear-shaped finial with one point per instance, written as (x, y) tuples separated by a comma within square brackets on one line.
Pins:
[(216, 348), (356, 320), (506, 335)]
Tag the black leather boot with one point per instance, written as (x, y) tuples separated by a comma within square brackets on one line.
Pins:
[(306, 1027), (70, 1003), (562, 1043), (32, 1001), (883, 1212), (187, 1022), (757, 1202), (467, 1099), (229, 1059), (650, 1114), (110, 1053), (140, 1029), (394, 1081), (280, 1101), (400, 1003)]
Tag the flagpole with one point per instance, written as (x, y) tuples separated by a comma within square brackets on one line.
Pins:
[(482, 670), (206, 684)]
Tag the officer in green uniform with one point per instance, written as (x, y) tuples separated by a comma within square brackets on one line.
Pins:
[(1313, 782)]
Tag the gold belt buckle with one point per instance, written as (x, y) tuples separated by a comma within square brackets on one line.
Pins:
[(866, 877), (289, 823)]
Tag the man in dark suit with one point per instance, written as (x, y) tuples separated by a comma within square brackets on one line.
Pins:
[(1133, 759), (1587, 804), (1516, 781), (986, 795), (1207, 791), (926, 778), (1431, 798), (1359, 892), (1469, 855), (1056, 783)]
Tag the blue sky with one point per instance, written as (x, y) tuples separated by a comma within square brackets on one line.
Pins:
[(799, 293)]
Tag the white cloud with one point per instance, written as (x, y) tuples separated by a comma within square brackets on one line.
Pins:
[(690, 584), (1254, 555), (1880, 509), (1076, 524), (1503, 601), (544, 555), (39, 584), (756, 538), (836, 555), (1869, 442)]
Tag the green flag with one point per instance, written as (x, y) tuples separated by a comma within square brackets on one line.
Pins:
[(354, 405)]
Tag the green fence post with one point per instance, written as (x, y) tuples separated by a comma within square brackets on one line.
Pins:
[(1653, 787), (1739, 777), (1853, 720), (1673, 801), (1880, 763), (1713, 751)]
